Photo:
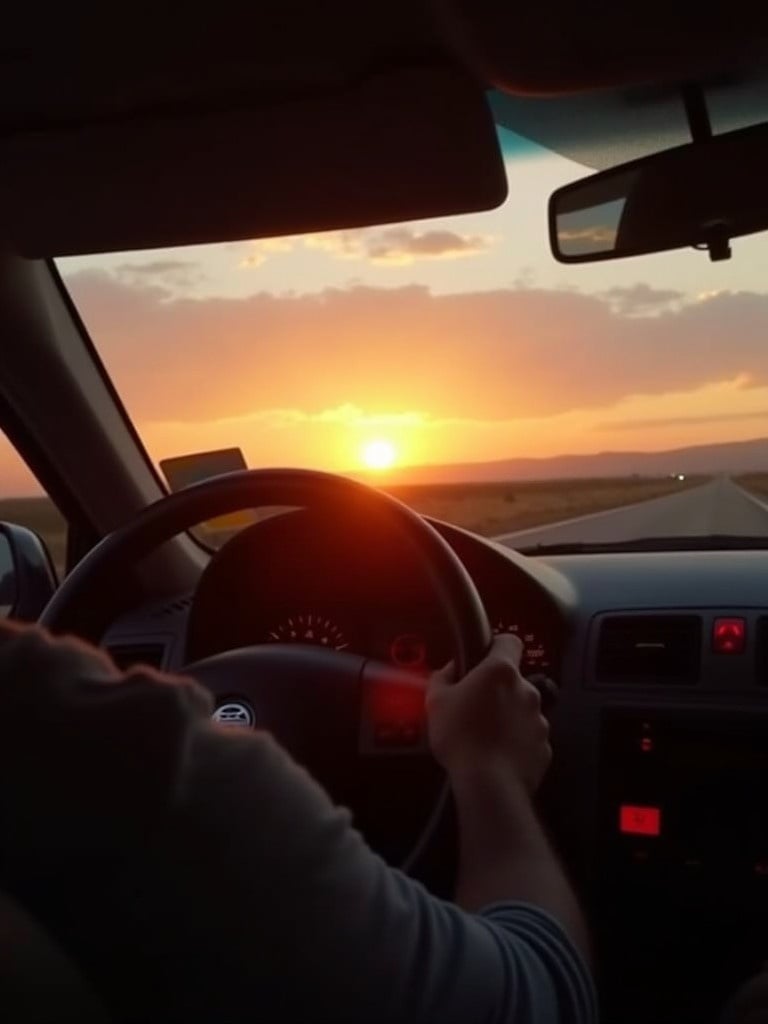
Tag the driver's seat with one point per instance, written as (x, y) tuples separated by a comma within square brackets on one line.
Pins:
[(39, 983)]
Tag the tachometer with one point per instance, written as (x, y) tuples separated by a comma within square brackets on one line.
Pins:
[(536, 657), (308, 628)]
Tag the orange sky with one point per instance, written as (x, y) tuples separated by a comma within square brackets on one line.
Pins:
[(473, 376), (456, 340)]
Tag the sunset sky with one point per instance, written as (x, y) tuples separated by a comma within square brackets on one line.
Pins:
[(451, 340)]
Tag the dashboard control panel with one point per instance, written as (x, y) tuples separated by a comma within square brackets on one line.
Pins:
[(684, 801)]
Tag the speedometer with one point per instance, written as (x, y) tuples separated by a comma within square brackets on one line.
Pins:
[(536, 656), (308, 628)]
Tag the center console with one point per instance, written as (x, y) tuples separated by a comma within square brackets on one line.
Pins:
[(683, 860)]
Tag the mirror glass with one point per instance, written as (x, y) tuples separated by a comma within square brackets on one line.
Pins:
[(591, 230)]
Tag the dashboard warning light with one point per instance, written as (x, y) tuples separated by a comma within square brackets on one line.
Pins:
[(729, 636), (639, 821), (646, 745)]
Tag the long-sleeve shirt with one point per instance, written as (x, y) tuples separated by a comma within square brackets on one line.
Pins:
[(197, 873)]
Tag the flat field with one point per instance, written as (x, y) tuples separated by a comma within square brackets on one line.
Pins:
[(487, 509)]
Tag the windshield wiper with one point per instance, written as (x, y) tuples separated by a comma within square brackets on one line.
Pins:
[(706, 542)]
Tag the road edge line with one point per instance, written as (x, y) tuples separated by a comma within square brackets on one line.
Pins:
[(593, 515), (752, 497)]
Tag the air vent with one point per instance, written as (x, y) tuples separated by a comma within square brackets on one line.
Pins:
[(649, 649), (127, 655)]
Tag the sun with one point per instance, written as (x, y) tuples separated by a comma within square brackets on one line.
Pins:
[(378, 455)]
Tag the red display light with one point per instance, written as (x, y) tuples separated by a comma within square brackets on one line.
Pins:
[(729, 636), (639, 821), (397, 715)]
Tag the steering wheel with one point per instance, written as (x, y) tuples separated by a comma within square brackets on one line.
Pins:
[(333, 710)]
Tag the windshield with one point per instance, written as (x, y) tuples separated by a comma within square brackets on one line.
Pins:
[(455, 363)]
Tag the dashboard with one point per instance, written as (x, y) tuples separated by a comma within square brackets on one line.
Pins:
[(333, 584), (658, 795)]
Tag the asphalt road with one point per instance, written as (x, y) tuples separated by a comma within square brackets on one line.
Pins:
[(715, 507)]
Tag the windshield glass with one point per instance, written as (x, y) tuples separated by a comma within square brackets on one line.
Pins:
[(455, 363)]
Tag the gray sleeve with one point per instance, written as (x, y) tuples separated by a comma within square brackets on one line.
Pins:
[(363, 941), (202, 872)]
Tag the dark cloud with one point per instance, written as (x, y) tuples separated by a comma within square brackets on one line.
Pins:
[(401, 245), (641, 298), (488, 355), (155, 267)]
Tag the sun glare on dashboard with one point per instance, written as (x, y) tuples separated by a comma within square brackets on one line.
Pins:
[(378, 455)]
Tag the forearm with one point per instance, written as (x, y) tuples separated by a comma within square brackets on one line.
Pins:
[(504, 854)]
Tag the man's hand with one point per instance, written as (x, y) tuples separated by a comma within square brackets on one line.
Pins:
[(490, 719), (488, 732)]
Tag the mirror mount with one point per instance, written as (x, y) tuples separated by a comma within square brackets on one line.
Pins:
[(696, 112), (717, 241)]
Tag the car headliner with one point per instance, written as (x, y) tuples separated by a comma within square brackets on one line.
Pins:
[(79, 100), (73, 67)]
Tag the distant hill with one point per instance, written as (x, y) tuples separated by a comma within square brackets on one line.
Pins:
[(708, 459)]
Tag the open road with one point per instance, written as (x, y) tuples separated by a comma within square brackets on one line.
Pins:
[(719, 506)]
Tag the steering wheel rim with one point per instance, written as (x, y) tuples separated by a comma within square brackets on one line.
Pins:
[(86, 604)]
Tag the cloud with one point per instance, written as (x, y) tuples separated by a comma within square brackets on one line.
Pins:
[(262, 248), (178, 274), (254, 260), (641, 299), (276, 244), (154, 268), (653, 423), (347, 415), (501, 355), (401, 246), (398, 246), (344, 245), (585, 240)]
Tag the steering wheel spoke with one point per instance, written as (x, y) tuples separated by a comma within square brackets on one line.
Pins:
[(307, 697)]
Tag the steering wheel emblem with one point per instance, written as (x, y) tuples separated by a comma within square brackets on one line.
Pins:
[(235, 713)]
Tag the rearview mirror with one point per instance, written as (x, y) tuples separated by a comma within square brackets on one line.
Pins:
[(702, 194)]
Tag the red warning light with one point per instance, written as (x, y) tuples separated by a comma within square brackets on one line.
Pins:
[(729, 636), (646, 745), (639, 821), (397, 714)]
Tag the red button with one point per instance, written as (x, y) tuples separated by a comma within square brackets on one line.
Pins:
[(639, 821), (729, 636)]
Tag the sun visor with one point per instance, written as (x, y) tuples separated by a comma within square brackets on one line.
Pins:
[(409, 145)]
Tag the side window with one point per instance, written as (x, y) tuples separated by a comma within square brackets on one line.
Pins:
[(23, 501)]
